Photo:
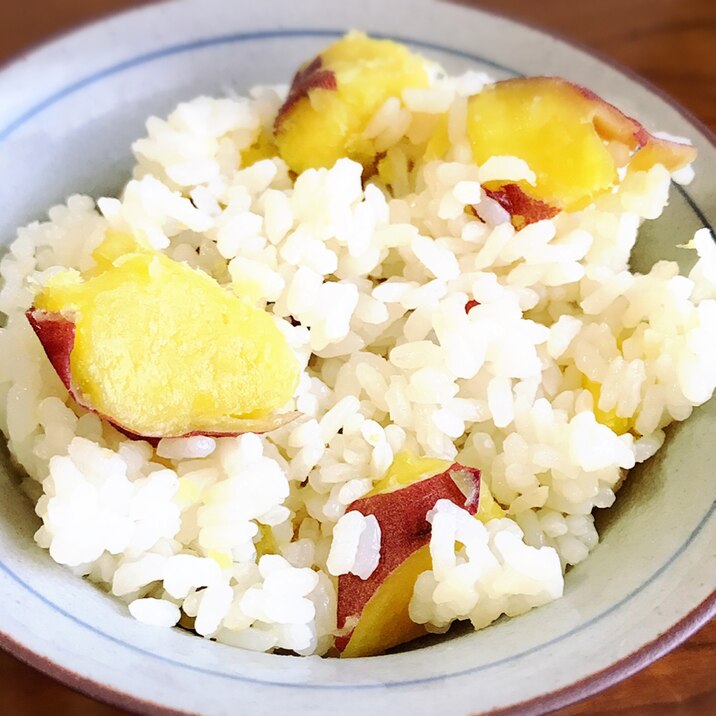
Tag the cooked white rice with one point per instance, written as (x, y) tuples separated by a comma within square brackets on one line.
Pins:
[(244, 536)]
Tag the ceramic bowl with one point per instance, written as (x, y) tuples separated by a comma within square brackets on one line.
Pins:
[(69, 113)]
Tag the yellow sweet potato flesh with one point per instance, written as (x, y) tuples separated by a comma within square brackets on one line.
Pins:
[(263, 148), (606, 417), (162, 350), (550, 125), (385, 620), (406, 469)]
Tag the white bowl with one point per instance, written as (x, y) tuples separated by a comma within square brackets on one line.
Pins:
[(69, 113)]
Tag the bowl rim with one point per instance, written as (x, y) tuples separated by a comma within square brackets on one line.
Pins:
[(587, 686), (545, 703)]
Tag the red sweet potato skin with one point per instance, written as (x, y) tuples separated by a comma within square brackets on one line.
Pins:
[(312, 76), (57, 336), (518, 204)]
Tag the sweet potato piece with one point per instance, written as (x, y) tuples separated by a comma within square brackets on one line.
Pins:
[(161, 350), (379, 604), (563, 132), (333, 97)]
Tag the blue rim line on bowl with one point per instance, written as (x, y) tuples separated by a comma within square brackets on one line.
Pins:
[(230, 39), (235, 38)]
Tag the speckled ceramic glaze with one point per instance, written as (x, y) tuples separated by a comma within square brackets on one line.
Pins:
[(67, 117)]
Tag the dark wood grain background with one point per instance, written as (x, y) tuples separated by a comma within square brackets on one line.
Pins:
[(671, 43)]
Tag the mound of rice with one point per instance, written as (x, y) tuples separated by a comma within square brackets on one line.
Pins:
[(234, 537)]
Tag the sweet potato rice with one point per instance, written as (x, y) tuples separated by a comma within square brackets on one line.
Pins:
[(351, 361)]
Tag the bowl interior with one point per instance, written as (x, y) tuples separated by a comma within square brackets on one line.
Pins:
[(71, 134)]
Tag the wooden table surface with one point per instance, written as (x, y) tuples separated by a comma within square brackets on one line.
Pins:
[(671, 43)]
